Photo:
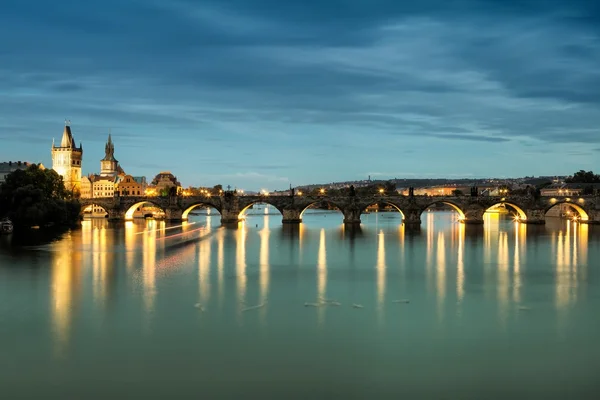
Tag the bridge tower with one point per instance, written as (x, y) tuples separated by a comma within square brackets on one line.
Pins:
[(66, 159)]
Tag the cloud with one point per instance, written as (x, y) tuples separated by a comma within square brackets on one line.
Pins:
[(320, 91)]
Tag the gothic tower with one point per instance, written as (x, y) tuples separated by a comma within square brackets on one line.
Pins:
[(66, 159), (109, 166)]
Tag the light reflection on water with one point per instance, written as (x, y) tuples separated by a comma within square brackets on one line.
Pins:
[(522, 298)]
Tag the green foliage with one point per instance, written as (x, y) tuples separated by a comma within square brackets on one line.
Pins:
[(584, 177), (457, 192), (588, 190), (37, 196)]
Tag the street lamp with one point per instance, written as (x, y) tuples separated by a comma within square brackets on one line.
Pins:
[(322, 191), (299, 193), (381, 191)]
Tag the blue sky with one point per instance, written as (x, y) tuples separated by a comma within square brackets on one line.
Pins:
[(261, 93)]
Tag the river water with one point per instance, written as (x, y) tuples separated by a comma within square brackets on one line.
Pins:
[(447, 312)]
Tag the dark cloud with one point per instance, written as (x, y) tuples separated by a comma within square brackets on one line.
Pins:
[(451, 136), (66, 87), (272, 84)]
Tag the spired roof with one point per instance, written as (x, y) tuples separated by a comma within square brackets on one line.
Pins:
[(67, 137), (109, 150), (67, 140)]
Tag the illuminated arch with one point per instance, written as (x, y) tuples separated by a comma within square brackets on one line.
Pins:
[(521, 215), (262, 201), (132, 208), (583, 215), (384, 202), (89, 207), (188, 210), (461, 214), (340, 209)]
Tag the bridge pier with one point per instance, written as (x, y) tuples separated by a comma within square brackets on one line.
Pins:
[(534, 217), (412, 218), (291, 216), (115, 215), (230, 216), (473, 216), (352, 216), (174, 214)]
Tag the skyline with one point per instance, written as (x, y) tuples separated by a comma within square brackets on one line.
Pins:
[(260, 94)]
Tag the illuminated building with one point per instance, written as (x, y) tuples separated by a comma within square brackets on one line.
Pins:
[(131, 186), (66, 160), (109, 166), (165, 182)]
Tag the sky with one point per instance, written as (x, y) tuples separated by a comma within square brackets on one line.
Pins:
[(261, 94)]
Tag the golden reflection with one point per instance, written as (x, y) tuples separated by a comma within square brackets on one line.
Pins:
[(567, 247), (149, 267), (490, 220), (240, 259), (402, 241), (503, 275), (441, 273), (322, 274), (161, 227), (204, 257), (520, 232), (460, 263), (66, 284), (429, 252), (381, 267), (264, 265), (582, 249), (220, 264), (130, 238), (301, 233), (86, 232), (100, 251)]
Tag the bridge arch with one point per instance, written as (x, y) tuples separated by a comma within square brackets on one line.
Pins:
[(521, 214), (457, 208), (133, 208), (91, 208), (389, 203), (262, 201), (190, 208), (582, 214), (321, 201)]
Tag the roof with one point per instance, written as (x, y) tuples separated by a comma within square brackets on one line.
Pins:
[(109, 150), (67, 141)]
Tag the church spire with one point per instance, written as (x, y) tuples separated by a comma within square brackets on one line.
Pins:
[(67, 137), (109, 150)]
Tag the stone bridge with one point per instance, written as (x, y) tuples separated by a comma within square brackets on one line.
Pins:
[(470, 209)]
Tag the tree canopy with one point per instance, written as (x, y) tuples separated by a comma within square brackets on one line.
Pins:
[(37, 197), (583, 177)]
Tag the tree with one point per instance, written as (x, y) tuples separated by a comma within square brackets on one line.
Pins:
[(389, 187), (583, 177), (457, 192), (588, 190), (37, 197), (216, 190)]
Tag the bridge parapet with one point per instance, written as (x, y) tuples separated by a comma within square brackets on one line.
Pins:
[(230, 206)]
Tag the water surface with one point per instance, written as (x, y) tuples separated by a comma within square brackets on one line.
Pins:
[(118, 311)]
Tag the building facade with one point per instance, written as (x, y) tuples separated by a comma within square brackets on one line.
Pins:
[(66, 160), (131, 186), (11, 166), (163, 184), (109, 166)]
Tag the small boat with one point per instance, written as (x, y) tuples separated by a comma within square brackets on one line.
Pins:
[(6, 226)]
